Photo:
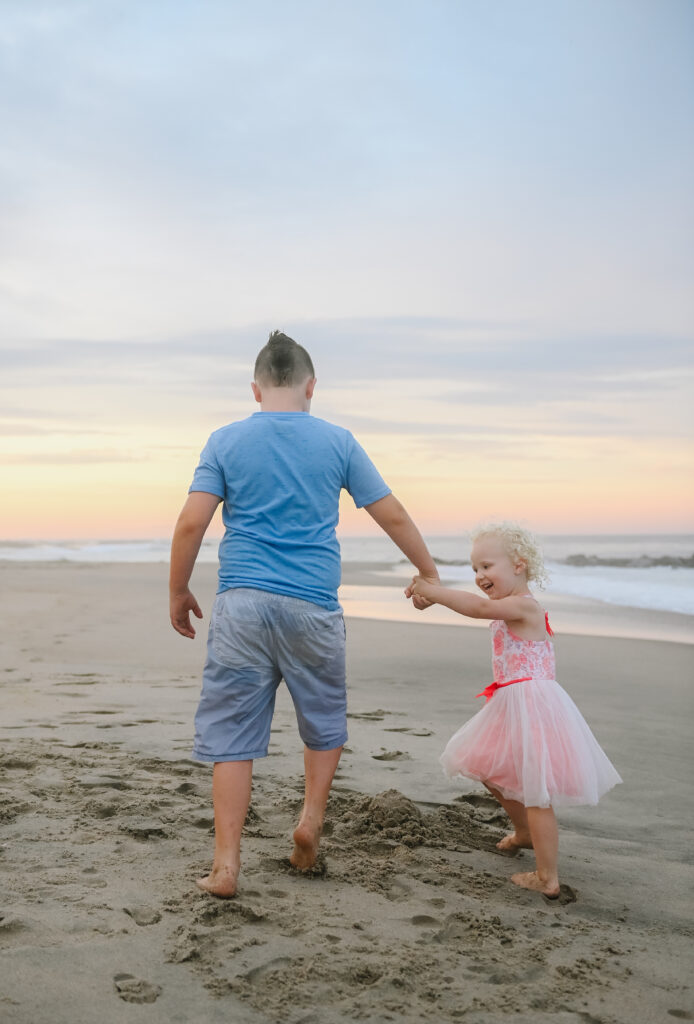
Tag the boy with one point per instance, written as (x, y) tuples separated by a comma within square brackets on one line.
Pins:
[(276, 615)]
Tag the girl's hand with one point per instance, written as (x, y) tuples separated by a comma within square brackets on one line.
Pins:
[(411, 589), (417, 591)]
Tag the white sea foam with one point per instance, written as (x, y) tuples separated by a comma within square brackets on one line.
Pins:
[(97, 551), (660, 588), (657, 587)]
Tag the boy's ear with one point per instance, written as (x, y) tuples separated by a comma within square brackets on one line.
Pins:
[(257, 394), (310, 387), (520, 566)]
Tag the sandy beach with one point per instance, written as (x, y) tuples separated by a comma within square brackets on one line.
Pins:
[(105, 824)]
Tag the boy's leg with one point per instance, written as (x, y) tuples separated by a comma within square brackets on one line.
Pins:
[(545, 837), (231, 795), (232, 723), (320, 767), (520, 838), (312, 661)]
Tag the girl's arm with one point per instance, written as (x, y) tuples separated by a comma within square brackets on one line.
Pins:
[(510, 609)]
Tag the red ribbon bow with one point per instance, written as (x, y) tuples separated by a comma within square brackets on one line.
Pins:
[(490, 690)]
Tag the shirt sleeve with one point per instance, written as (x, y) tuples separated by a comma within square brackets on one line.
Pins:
[(363, 481), (209, 476)]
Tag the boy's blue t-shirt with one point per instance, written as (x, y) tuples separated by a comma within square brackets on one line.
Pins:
[(280, 475)]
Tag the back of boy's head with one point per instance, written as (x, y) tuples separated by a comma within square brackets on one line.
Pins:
[(282, 362)]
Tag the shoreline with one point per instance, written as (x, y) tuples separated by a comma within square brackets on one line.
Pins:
[(368, 591)]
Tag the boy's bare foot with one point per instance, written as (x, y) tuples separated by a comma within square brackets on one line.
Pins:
[(305, 852), (514, 842), (220, 882), (531, 880)]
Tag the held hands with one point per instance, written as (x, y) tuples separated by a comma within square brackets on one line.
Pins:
[(417, 590), (180, 607)]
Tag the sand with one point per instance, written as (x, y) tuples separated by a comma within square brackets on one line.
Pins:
[(105, 824)]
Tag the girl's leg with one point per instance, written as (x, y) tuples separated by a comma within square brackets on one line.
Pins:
[(231, 795), (319, 767), (520, 838), (545, 837)]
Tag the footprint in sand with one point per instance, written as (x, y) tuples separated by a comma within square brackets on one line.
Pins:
[(10, 925), (135, 990), (412, 732), (105, 810), (77, 681), (257, 974), (566, 895), (143, 915), (102, 782), (143, 829), (206, 821), (392, 755)]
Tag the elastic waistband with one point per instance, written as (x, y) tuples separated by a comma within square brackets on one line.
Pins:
[(269, 597)]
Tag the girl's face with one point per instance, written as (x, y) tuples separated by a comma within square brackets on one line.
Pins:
[(495, 573)]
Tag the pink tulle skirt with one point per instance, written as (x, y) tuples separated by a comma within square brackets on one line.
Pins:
[(532, 743)]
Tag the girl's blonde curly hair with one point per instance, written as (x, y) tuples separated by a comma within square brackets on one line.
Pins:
[(518, 543)]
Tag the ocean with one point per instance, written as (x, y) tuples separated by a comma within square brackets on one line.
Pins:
[(649, 571)]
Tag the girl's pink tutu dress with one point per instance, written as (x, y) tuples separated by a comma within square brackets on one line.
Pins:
[(529, 741)]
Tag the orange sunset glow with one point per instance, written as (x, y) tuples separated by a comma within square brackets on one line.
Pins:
[(107, 484)]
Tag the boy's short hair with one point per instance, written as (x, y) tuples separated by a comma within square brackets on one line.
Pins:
[(282, 362)]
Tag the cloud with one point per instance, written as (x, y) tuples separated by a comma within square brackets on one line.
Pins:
[(168, 164), (32, 430), (74, 458), (378, 347), (377, 375)]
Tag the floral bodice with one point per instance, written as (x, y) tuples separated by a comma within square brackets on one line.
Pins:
[(514, 658)]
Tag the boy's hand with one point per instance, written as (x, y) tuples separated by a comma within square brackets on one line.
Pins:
[(180, 607), (417, 591)]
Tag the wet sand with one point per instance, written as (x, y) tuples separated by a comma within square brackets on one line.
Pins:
[(105, 824)]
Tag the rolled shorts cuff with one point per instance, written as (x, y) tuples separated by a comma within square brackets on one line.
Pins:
[(330, 744), (253, 755), (327, 744)]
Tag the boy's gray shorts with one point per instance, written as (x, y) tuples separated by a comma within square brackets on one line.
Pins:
[(256, 639)]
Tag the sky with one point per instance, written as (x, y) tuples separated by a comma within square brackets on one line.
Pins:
[(477, 216)]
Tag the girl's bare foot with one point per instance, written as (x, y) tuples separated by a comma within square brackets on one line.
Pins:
[(305, 852), (514, 842), (531, 880), (220, 882)]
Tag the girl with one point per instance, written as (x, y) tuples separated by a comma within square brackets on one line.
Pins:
[(529, 745)]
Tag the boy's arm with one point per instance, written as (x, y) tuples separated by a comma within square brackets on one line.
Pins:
[(193, 521), (394, 520), (510, 609)]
